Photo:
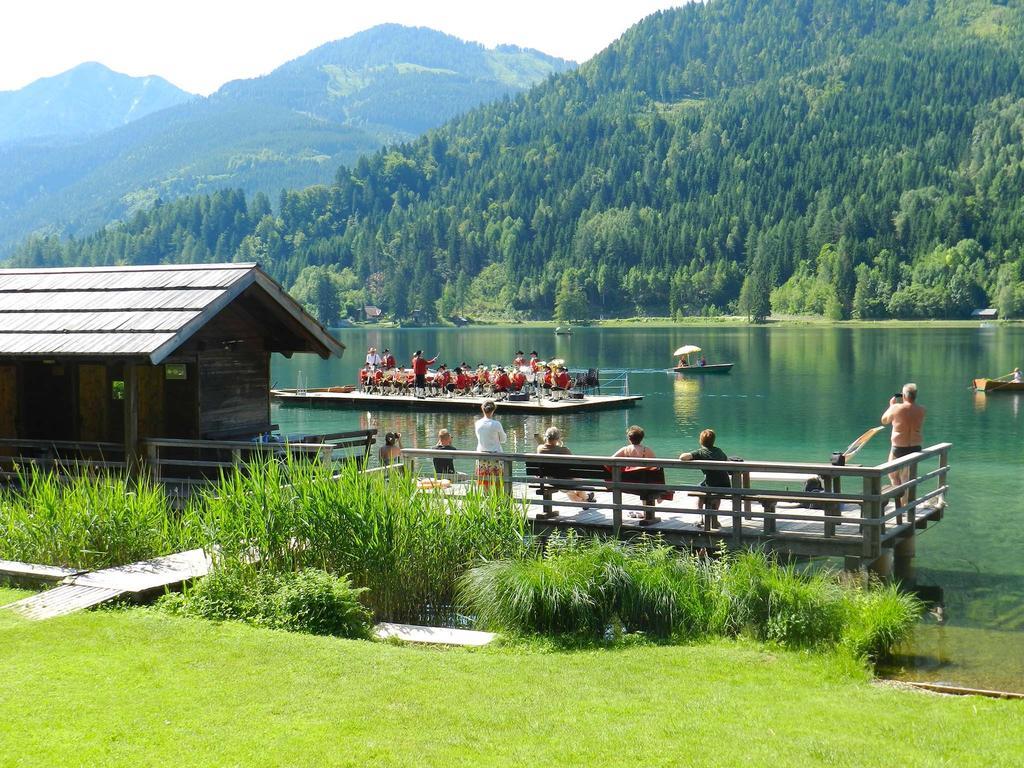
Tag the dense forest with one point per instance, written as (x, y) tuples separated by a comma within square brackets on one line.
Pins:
[(851, 158)]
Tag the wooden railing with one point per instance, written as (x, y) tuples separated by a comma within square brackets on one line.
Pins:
[(17, 454), (754, 494), (198, 462)]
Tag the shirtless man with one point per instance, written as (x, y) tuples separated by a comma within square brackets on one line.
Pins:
[(907, 420)]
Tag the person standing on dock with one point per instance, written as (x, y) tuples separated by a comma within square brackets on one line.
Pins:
[(490, 436), (419, 370), (907, 420), (372, 358)]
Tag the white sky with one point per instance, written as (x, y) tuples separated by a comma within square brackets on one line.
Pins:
[(200, 44)]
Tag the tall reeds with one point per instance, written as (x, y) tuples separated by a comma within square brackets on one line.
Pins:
[(591, 588), (84, 521), (406, 546)]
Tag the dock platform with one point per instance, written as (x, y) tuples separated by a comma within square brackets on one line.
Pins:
[(365, 400)]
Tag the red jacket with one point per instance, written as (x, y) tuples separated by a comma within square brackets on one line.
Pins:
[(562, 380), (419, 365), (502, 383)]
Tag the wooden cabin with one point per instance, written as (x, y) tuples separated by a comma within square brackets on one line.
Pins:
[(121, 354)]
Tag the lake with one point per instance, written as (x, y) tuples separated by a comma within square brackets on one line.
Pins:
[(796, 393)]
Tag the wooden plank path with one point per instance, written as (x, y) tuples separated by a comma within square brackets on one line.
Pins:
[(31, 572), (84, 590), (364, 400)]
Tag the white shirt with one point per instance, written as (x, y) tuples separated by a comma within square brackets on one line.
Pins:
[(373, 359), (489, 435)]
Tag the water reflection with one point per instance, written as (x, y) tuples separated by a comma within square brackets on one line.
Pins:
[(685, 400), (980, 401)]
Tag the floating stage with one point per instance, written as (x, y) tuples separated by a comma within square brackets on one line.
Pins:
[(330, 397)]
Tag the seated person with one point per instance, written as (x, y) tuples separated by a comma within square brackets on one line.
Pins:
[(518, 380), (702, 362), (1018, 377), (502, 383), (684, 362), (365, 377), (635, 449), (463, 383), (391, 452), (713, 478), (443, 379), (562, 381), (553, 445), (378, 380), (444, 443)]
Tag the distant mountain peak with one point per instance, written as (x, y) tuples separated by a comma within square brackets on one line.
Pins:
[(85, 100)]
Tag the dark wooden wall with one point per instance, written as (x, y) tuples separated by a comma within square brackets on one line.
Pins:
[(234, 392)]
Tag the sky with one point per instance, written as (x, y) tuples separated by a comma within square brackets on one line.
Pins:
[(200, 44)]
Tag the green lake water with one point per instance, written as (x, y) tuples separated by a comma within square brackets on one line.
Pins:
[(795, 394)]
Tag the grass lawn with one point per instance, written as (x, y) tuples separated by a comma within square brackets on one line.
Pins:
[(137, 688)]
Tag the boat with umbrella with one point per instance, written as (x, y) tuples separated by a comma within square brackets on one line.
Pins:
[(701, 368)]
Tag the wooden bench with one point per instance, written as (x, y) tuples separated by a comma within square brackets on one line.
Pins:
[(769, 502), (566, 476), (562, 476)]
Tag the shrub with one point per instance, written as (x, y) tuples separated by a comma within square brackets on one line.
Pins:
[(310, 601)]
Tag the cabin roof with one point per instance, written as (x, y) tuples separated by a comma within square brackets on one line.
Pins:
[(145, 311)]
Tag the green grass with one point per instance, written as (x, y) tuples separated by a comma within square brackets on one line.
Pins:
[(137, 688)]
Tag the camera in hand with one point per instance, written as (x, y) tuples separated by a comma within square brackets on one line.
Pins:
[(898, 396)]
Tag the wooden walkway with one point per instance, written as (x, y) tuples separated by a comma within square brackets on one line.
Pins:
[(84, 590), (858, 516), (412, 633), (365, 400)]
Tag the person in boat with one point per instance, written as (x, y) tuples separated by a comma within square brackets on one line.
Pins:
[(419, 370), (907, 420), (635, 449), (553, 445), (387, 359), (702, 362), (489, 438), (372, 358), (444, 443), (684, 362), (391, 452), (713, 478), (1018, 377)]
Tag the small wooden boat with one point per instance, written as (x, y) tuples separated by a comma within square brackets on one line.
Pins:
[(998, 385), (684, 352), (699, 370), (560, 331)]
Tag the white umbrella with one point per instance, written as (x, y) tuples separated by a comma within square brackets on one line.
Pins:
[(689, 349)]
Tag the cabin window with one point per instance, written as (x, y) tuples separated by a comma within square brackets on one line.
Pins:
[(117, 390), (175, 372)]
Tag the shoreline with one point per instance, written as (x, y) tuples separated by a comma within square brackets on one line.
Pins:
[(783, 321)]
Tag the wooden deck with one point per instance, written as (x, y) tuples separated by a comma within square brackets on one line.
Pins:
[(84, 590), (366, 400), (859, 516)]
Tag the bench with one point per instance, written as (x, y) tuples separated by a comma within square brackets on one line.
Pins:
[(769, 502), (549, 474), (566, 476)]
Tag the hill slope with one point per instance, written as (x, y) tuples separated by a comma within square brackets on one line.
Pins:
[(83, 101), (290, 128), (849, 157)]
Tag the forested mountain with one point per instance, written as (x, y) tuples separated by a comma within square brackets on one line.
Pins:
[(81, 102), (858, 158), (291, 128)]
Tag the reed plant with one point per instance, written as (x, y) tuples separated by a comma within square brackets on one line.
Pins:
[(84, 520), (407, 547)]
